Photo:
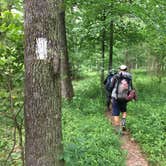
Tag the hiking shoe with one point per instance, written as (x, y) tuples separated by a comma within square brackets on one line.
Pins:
[(123, 123), (123, 128)]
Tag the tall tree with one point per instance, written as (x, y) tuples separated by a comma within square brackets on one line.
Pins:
[(66, 83), (111, 45), (103, 35), (43, 134)]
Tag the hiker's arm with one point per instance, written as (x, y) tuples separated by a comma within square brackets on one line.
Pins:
[(134, 91), (131, 83)]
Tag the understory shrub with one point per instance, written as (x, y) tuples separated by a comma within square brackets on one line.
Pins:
[(88, 138), (147, 120)]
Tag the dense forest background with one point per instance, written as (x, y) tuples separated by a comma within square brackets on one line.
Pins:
[(100, 35)]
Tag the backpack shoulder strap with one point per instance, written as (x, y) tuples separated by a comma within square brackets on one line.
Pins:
[(118, 80), (129, 79)]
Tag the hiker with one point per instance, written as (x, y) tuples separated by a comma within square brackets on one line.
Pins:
[(122, 92), (107, 83)]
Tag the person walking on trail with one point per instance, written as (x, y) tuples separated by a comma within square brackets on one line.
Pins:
[(107, 83), (121, 92)]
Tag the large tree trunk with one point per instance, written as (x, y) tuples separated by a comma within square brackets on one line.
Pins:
[(43, 134), (66, 83), (111, 45)]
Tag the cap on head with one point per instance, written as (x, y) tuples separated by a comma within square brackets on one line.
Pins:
[(123, 67)]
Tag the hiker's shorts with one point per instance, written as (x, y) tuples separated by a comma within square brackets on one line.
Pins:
[(118, 106)]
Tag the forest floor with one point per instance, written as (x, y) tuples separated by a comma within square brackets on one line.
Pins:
[(134, 154)]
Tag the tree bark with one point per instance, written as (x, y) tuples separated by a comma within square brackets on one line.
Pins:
[(111, 45), (42, 109), (66, 82)]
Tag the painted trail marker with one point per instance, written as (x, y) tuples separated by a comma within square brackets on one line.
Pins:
[(41, 48)]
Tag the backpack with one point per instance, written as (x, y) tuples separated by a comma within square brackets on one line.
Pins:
[(123, 86), (108, 81)]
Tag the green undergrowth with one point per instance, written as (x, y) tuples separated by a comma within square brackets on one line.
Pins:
[(8, 133), (147, 120), (88, 137)]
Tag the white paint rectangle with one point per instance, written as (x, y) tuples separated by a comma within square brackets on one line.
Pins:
[(41, 48)]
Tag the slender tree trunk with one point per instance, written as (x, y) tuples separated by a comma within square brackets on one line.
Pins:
[(102, 48), (102, 55), (111, 45), (127, 61), (42, 108), (19, 128), (66, 83)]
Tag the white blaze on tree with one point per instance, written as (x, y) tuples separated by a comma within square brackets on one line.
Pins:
[(41, 48)]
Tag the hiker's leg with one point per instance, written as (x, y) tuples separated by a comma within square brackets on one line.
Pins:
[(117, 124), (124, 115), (116, 120), (108, 100), (123, 121), (115, 108), (109, 103), (123, 108), (115, 114)]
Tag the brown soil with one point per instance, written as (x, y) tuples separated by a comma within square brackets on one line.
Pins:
[(134, 155)]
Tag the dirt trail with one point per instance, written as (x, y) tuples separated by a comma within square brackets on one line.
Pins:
[(134, 155)]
